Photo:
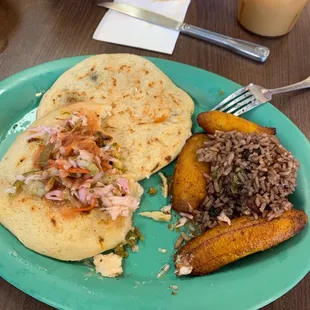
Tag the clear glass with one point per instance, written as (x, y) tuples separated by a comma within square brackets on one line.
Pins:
[(269, 18)]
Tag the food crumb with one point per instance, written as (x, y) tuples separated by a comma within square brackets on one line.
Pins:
[(221, 92), (164, 186), (173, 287), (162, 250), (121, 250), (135, 248), (187, 215), (157, 216), (179, 242), (184, 236), (174, 293), (224, 218), (163, 271), (181, 222), (166, 209), (183, 265), (109, 265), (171, 227), (152, 191)]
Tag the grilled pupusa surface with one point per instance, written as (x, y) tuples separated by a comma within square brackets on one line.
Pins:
[(150, 115), (61, 190)]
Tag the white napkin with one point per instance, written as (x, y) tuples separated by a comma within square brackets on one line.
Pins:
[(125, 30)]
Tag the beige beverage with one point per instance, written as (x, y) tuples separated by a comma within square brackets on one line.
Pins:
[(270, 18)]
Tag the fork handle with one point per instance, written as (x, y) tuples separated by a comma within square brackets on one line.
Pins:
[(300, 85), (250, 50)]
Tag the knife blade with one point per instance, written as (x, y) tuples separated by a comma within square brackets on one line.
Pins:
[(250, 50), (148, 16)]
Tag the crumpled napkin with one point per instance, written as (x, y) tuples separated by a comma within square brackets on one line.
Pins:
[(125, 30)]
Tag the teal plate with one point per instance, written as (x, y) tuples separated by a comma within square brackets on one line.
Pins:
[(247, 284)]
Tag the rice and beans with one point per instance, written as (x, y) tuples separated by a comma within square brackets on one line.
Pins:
[(250, 174)]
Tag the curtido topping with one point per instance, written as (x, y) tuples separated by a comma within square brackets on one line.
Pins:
[(71, 165)]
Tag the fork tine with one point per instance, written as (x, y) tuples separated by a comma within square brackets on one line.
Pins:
[(242, 103), (230, 97), (249, 107), (235, 102)]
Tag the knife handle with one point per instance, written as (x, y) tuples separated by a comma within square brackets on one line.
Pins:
[(250, 50)]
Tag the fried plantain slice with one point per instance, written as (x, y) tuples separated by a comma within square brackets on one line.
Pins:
[(215, 120), (189, 186), (225, 244)]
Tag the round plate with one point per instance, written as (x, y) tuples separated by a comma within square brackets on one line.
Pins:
[(247, 284)]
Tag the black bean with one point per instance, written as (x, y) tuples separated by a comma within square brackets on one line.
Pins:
[(246, 154)]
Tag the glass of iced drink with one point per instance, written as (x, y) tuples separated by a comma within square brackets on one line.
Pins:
[(271, 18)]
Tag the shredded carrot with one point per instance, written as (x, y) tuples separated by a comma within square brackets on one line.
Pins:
[(91, 206), (104, 169), (105, 164), (84, 209), (68, 150), (51, 163), (78, 170), (87, 145)]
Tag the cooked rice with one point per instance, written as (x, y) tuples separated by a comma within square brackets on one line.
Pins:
[(250, 174)]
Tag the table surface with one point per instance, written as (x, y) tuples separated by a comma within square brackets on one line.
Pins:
[(36, 31)]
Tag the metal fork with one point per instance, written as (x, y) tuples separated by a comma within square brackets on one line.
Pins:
[(252, 96)]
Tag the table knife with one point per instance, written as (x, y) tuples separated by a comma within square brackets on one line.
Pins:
[(250, 50)]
